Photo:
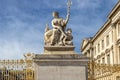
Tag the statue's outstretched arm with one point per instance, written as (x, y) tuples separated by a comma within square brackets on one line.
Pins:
[(67, 18)]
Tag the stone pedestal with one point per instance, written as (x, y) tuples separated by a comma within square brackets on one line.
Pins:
[(60, 66)]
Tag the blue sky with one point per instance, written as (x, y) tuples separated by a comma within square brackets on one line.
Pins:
[(22, 23)]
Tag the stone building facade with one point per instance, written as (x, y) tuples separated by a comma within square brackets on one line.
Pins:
[(104, 46)]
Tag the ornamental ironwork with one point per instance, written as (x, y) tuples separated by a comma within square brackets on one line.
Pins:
[(22, 69)]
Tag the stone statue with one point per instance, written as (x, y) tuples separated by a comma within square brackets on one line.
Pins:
[(58, 35), (68, 39)]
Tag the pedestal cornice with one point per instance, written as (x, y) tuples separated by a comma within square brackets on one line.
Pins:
[(59, 50)]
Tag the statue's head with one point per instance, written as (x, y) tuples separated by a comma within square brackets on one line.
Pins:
[(55, 14)]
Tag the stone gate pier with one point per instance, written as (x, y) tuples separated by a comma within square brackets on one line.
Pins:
[(60, 64)]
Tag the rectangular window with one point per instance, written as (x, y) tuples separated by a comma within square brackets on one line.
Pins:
[(119, 53), (98, 48), (108, 58), (102, 44), (119, 29), (95, 51), (103, 60), (112, 36), (107, 40)]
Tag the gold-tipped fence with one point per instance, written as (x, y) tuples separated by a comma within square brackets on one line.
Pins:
[(24, 70), (97, 71), (16, 70)]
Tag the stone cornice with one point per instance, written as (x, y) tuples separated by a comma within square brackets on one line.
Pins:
[(113, 25), (101, 29), (59, 48), (88, 43), (107, 22), (59, 56), (82, 48), (61, 59), (114, 10), (116, 21)]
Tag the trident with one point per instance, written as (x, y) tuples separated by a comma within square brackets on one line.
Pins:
[(69, 3)]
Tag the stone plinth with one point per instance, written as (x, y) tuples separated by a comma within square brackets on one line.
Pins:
[(60, 67), (59, 50)]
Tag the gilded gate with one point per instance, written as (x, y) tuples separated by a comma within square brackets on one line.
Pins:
[(99, 71), (17, 69), (23, 69)]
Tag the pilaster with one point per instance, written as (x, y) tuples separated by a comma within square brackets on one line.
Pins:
[(115, 57)]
